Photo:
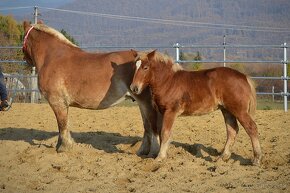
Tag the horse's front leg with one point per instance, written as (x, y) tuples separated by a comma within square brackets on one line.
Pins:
[(150, 144), (165, 135), (65, 141)]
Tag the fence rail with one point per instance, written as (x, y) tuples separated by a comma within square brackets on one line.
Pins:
[(177, 47)]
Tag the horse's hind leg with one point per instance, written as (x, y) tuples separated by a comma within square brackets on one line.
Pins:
[(65, 140), (252, 130), (232, 131)]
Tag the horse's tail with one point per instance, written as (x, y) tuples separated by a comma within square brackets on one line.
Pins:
[(253, 100)]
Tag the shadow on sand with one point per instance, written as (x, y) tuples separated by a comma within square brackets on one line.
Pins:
[(100, 140), (108, 142), (207, 152)]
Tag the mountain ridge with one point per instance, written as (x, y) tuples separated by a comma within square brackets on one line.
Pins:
[(100, 23)]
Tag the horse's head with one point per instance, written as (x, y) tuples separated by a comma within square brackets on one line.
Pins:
[(143, 73)]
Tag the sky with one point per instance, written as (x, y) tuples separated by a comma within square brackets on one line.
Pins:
[(22, 7)]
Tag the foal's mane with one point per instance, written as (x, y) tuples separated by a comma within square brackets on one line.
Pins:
[(53, 32), (162, 58)]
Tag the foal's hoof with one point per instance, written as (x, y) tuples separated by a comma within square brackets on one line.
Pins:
[(256, 162), (160, 159), (224, 157)]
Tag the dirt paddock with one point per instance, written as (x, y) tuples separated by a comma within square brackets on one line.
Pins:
[(104, 159)]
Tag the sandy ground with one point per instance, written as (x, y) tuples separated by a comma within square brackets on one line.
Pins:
[(104, 159)]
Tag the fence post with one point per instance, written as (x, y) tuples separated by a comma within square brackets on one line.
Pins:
[(33, 85), (285, 77), (273, 93), (224, 43), (35, 14), (177, 46)]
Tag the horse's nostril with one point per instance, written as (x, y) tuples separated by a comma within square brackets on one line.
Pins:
[(134, 88)]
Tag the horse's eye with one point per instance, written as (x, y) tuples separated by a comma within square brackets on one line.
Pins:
[(145, 67)]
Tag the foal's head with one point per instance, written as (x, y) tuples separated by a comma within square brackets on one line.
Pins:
[(151, 67), (142, 74)]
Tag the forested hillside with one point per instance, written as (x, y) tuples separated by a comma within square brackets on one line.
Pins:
[(11, 37), (95, 29), (11, 34), (153, 23)]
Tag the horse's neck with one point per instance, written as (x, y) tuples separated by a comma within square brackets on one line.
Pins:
[(44, 51)]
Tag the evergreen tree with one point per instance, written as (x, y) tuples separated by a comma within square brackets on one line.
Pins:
[(69, 37), (191, 56), (197, 65)]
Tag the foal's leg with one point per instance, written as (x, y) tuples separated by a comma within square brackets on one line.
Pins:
[(232, 131), (167, 123), (252, 130), (65, 140)]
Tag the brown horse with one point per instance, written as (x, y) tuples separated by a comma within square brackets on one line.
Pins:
[(176, 91), (69, 76)]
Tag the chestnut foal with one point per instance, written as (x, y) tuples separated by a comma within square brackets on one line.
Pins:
[(176, 91)]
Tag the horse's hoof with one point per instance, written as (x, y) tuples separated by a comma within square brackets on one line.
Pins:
[(152, 155), (142, 153), (64, 148)]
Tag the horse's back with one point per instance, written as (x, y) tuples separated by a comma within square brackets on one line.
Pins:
[(205, 90)]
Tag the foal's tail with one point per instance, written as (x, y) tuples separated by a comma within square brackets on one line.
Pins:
[(253, 100)]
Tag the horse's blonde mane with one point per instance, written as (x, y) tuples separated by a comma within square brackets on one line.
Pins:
[(162, 58), (55, 33)]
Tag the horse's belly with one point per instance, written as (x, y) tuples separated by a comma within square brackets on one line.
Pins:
[(106, 103), (199, 108), (100, 97)]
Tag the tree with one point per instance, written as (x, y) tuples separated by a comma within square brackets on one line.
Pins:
[(69, 37), (11, 34), (197, 65), (191, 56), (181, 56), (166, 53)]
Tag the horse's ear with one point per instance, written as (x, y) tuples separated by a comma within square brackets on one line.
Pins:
[(40, 22), (151, 54), (134, 52), (26, 26)]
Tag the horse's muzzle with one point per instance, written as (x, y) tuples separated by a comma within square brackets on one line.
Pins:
[(135, 89)]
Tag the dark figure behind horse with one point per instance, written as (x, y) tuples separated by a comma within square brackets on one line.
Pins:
[(176, 91)]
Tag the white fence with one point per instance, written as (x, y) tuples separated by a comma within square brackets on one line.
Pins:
[(32, 92), (22, 88), (283, 61)]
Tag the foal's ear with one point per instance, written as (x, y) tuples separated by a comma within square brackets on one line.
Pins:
[(26, 26), (134, 52), (151, 54)]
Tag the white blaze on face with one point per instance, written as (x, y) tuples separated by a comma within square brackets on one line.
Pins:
[(138, 64)]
